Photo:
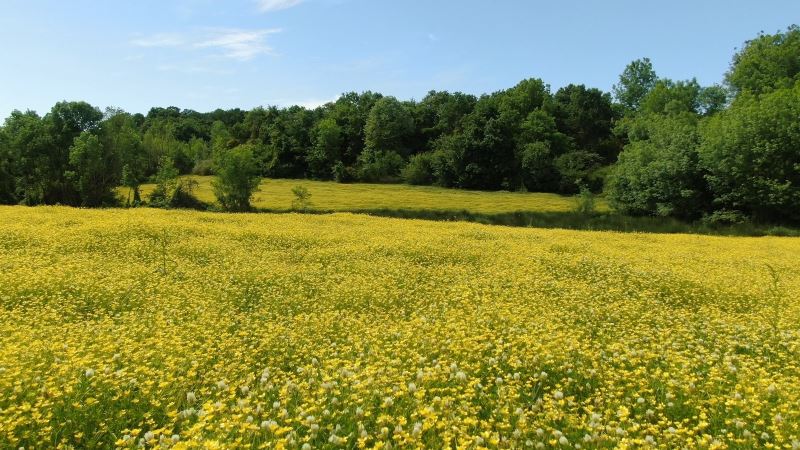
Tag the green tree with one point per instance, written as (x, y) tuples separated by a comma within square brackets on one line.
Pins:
[(635, 82), (91, 170), (326, 148), (659, 172), (29, 151), (766, 63), (751, 154), (237, 178), (388, 127), (587, 116)]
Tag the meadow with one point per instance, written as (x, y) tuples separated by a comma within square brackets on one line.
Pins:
[(184, 329), (276, 195)]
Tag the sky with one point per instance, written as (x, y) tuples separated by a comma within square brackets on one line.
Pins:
[(208, 54)]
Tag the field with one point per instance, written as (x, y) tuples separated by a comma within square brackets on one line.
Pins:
[(183, 329), (276, 195)]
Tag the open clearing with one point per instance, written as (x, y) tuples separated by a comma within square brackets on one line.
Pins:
[(200, 330), (276, 195)]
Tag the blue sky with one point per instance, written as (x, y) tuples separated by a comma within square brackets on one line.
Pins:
[(204, 54)]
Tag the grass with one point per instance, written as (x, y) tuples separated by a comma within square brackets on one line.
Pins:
[(519, 209), (276, 195)]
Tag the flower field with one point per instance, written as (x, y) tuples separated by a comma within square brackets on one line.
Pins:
[(176, 329)]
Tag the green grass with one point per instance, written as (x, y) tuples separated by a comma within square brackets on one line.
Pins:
[(520, 209), (276, 195)]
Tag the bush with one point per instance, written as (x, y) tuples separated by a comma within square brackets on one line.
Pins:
[(343, 173), (419, 170), (585, 203), (302, 198), (203, 167), (379, 166), (237, 178), (724, 217)]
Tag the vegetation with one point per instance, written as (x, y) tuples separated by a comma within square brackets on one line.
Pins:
[(197, 330), (668, 148)]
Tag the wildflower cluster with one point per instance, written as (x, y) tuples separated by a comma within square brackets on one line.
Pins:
[(177, 329)]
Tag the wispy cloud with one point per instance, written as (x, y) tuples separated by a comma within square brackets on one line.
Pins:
[(233, 43), (309, 103), (242, 45), (276, 5)]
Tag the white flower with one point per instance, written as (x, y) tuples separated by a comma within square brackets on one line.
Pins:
[(563, 440), (412, 387), (149, 436), (558, 395), (640, 401), (175, 438), (89, 373), (190, 397), (461, 376)]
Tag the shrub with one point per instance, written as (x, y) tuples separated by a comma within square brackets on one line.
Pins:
[(302, 198), (419, 170), (237, 178), (343, 173), (379, 166), (585, 201), (203, 167)]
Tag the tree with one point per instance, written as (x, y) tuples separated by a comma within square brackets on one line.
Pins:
[(587, 116), (766, 63), (8, 169), (672, 97), (326, 148), (659, 172), (91, 171), (237, 178), (635, 82), (751, 154), (388, 127), (28, 149)]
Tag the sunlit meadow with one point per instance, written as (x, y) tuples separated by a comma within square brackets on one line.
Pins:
[(176, 329)]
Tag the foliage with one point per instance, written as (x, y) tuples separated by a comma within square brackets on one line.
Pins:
[(767, 63), (89, 162), (237, 178), (635, 82), (751, 154), (388, 128), (302, 198), (585, 203), (659, 172), (420, 170)]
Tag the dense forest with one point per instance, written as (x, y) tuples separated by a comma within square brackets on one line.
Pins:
[(655, 146)]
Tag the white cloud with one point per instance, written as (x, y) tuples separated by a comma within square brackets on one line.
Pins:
[(233, 43), (276, 5), (309, 103), (242, 45)]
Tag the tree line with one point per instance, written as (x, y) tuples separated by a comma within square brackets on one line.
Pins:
[(656, 146)]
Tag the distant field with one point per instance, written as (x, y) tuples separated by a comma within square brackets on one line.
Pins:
[(277, 195), (145, 328)]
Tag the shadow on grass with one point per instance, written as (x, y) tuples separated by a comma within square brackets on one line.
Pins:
[(575, 221)]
